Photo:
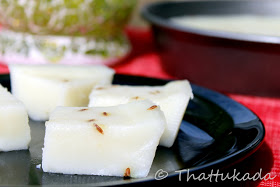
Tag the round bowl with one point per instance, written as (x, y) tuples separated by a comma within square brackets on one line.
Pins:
[(221, 60)]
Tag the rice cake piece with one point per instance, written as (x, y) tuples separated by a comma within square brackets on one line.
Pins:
[(113, 141), (43, 87), (172, 98), (14, 127)]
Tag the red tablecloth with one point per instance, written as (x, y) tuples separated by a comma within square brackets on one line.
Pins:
[(145, 61)]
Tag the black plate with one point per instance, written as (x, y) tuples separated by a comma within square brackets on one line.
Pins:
[(216, 132)]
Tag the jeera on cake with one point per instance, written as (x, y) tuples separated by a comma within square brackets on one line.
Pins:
[(43, 87), (172, 98), (114, 141)]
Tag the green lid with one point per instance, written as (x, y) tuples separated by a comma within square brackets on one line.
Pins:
[(96, 18)]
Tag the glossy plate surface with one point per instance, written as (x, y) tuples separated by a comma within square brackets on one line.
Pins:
[(215, 132)]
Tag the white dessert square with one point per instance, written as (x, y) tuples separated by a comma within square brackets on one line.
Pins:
[(14, 127), (172, 98), (113, 141), (43, 87)]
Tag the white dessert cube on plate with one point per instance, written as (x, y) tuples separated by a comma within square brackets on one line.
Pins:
[(43, 87), (172, 98), (14, 127), (113, 141)]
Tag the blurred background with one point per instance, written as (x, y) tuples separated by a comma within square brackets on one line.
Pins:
[(136, 19)]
